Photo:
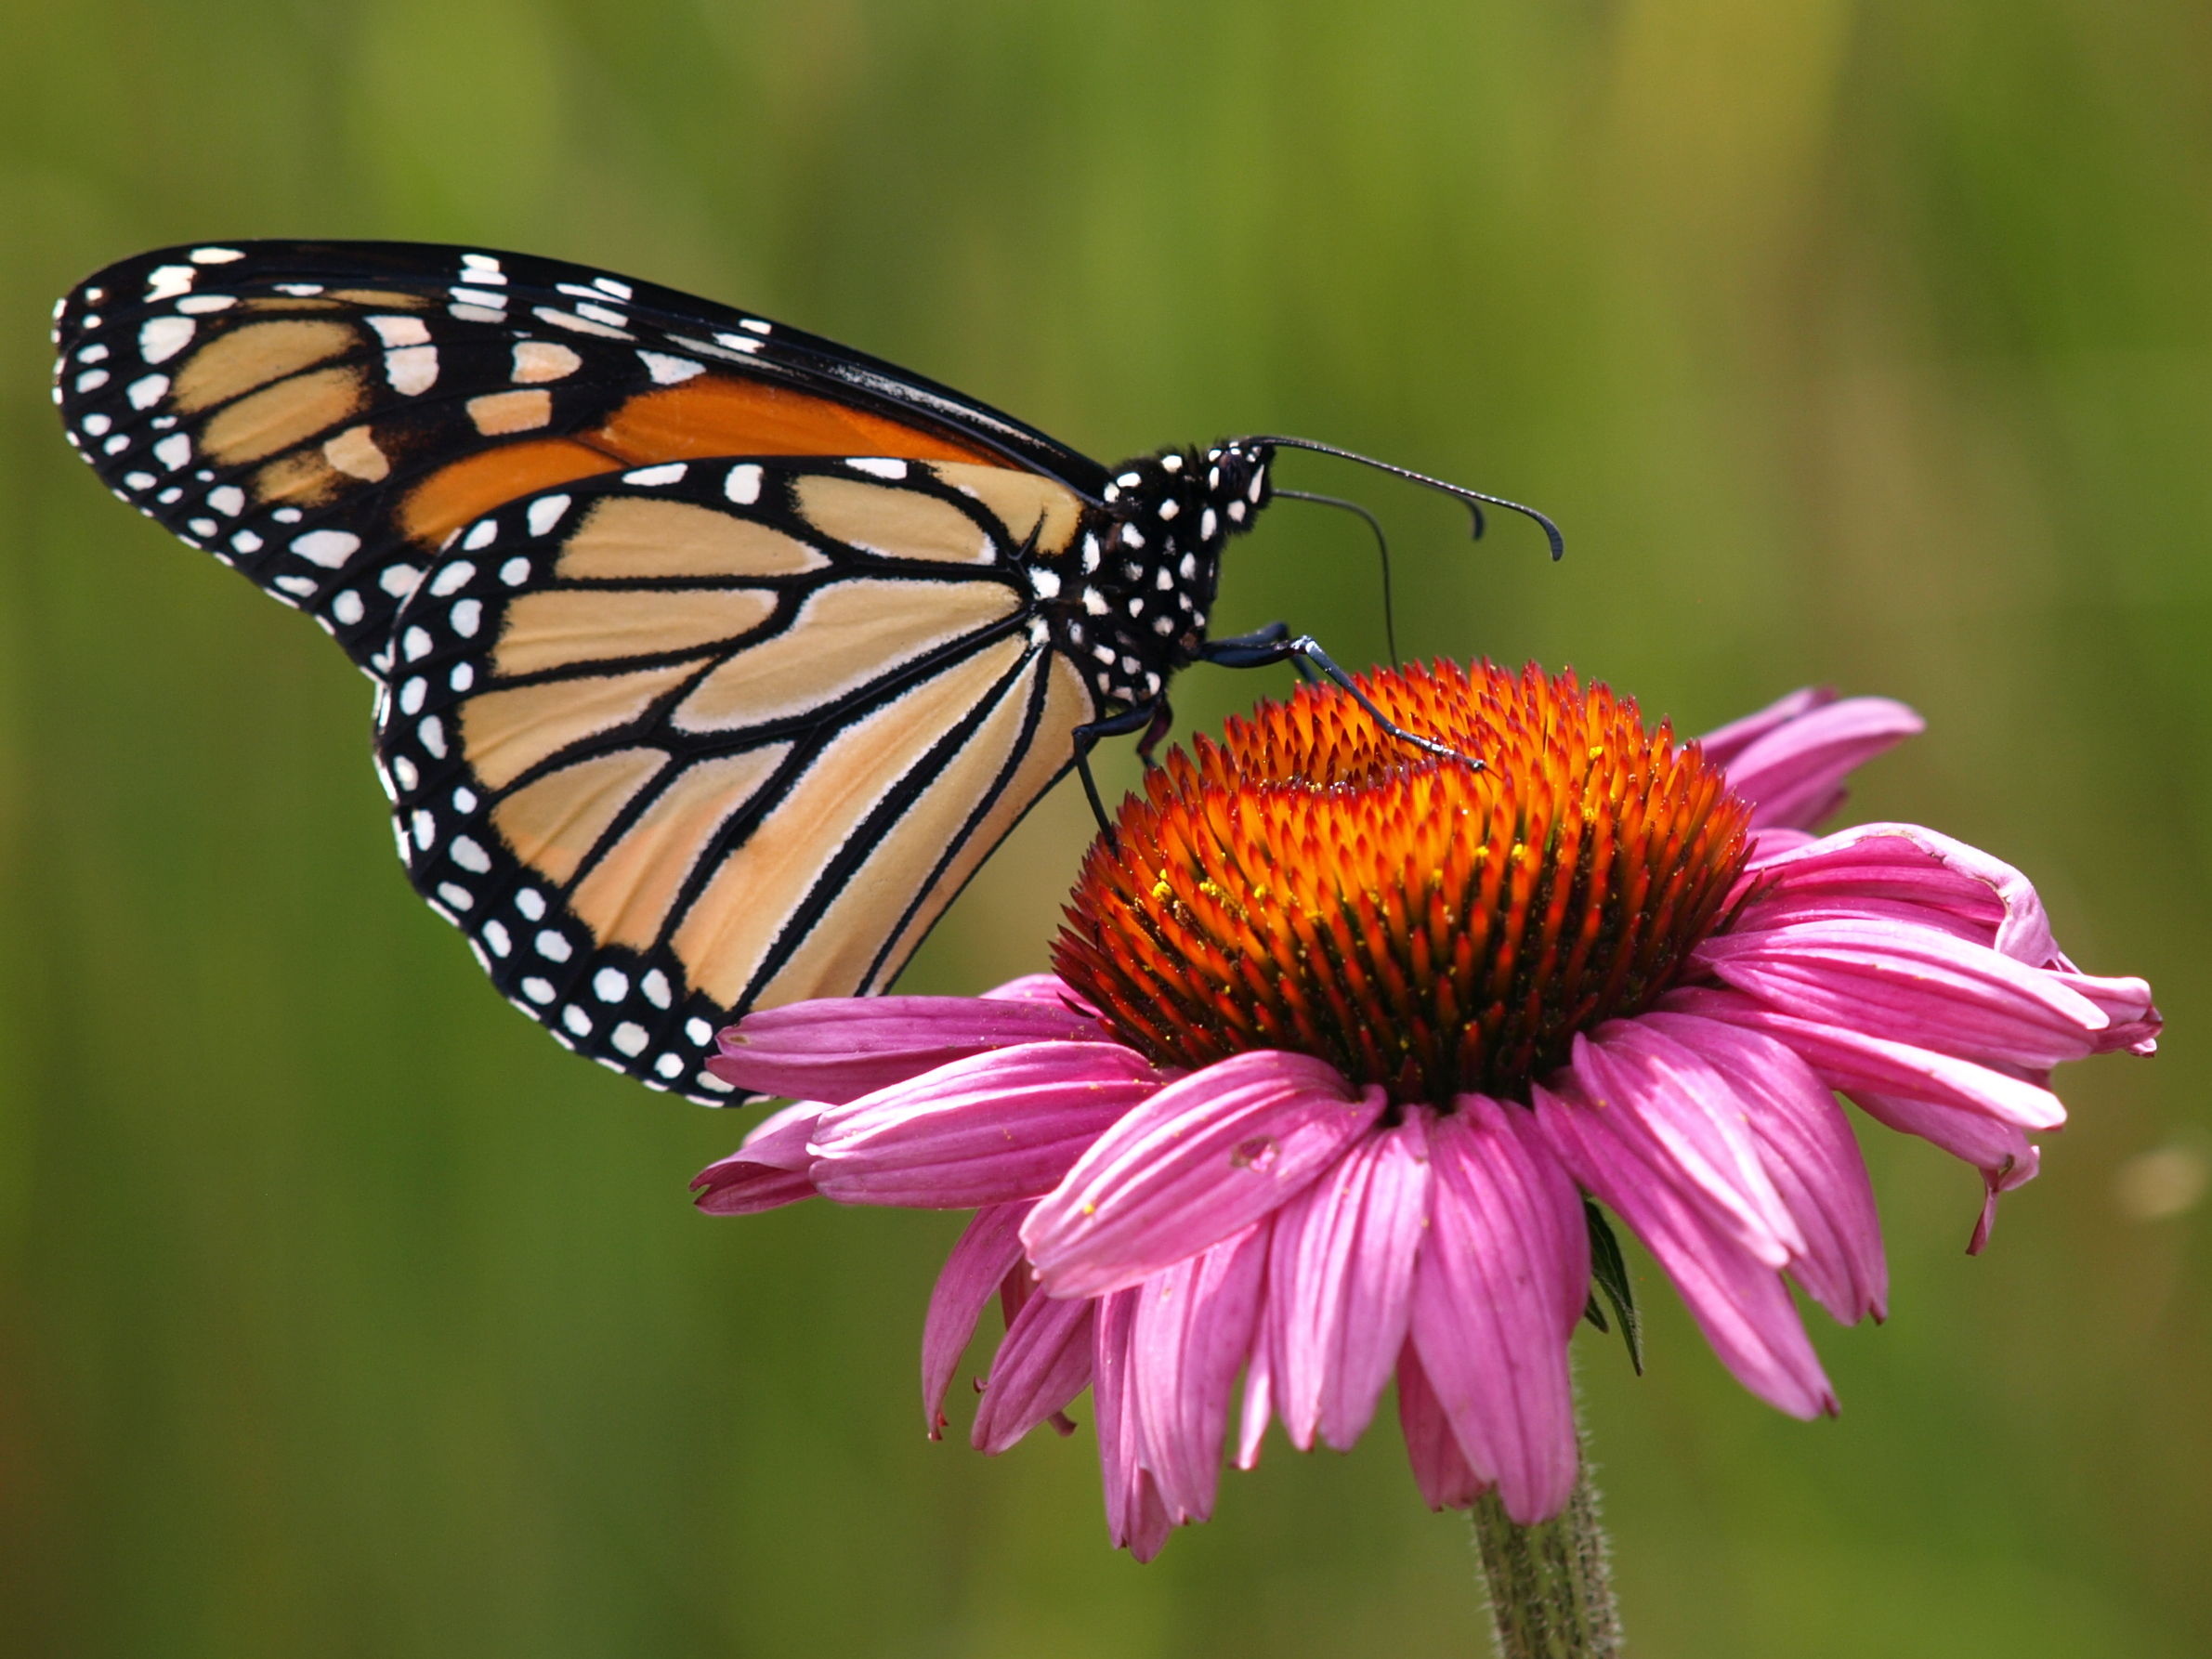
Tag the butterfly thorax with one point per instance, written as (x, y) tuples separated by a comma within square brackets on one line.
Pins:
[(1130, 597)]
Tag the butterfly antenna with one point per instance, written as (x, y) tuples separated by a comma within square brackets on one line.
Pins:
[(1471, 499), (1390, 619)]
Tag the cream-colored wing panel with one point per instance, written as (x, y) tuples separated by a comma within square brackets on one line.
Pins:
[(734, 922), (281, 416), (503, 733), (625, 898), (556, 821), (1022, 502), (625, 536), (844, 636), (569, 625), (1052, 747), (836, 956), (233, 364), (899, 524)]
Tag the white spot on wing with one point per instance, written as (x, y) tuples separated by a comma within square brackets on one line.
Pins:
[(546, 513), (538, 361), (161, 338), (743, 484), (670, 371), (412, 369), (880, 467), (146, 390), (215, 255), (470, 857), (672, 473), (328, 548), (401, 331)]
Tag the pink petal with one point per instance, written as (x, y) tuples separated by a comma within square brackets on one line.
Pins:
[(838, 1048), (1194, 1329), (987, 1129), (980, 1262), (1047, 988), (1996, 1182), (1806, 1145), (765, 1172), (1205, 1157), (1043, 1363), (1681, 1115), (1722, 745), (1135, 1515), (1849, 1060), (1985, 1143), (1258, 1398), (1984, 897), (1439, 1467), (1341, 1282), (1503, 1276), (1911, 985), (1793, 774), (1738, 1299)]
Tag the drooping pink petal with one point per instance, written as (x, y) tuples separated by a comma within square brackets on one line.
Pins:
[(1848, 1059), (1439, 1467), (1259, 1397), (1194, 1330), (1679, 1112), (1724, 743), (1341, 1282), (987, 1129), (1205, 1157), (1502, 1275), (1738, 1299), (840, 1048), (1806, 1145), (2136, 1021), (979, 1263), (768, 1171), (1793, 773), (1995, 1182), (1985, 1143), (1911, 985), (1043, 1362), (1136, 1518)]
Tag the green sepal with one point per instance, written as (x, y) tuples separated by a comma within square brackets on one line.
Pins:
[(1610, 1274)]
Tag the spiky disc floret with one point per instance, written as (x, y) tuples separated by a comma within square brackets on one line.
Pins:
[(1311, 884)]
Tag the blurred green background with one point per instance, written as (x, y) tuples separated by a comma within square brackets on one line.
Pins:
[(341, 1313)]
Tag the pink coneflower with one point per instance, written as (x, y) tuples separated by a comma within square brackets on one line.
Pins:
[(1342, 1034)]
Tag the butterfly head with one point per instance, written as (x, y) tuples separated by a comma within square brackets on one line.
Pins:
[(1133, 603)]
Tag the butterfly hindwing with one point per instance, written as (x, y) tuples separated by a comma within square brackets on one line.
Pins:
[(325, 417), (714, 735)]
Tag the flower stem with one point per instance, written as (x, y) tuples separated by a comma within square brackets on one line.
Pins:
[(1551, 1589)]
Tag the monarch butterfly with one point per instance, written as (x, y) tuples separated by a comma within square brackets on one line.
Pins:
[(711, 658)]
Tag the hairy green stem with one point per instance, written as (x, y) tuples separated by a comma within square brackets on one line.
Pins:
[(1550, 1588)]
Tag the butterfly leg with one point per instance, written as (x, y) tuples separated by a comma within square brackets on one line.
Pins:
[(1156, 733), (1275, 644), (1271, 643), (1145, 717)]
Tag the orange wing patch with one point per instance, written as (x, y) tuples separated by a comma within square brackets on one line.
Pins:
[(721, 415)]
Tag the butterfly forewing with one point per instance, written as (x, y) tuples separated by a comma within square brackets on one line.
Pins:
[(326, 418), (716, 735)]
